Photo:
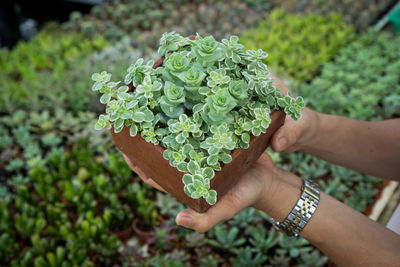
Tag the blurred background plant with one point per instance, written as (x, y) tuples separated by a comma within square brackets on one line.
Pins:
[(68, 198), (369, 92), (298, 44)]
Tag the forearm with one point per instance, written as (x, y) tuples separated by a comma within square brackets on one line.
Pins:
[(369, 147), (346, 236)]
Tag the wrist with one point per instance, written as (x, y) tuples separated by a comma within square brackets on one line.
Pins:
[(281, 192)]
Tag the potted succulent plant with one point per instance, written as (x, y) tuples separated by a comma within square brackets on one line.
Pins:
[(198, 117)]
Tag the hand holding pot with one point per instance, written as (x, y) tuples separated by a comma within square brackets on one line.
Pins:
[(254, 189), (293, 135)]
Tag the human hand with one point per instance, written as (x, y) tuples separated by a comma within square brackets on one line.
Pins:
[(255, 188), (294, 135)]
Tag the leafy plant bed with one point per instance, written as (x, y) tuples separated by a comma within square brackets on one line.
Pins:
[(31, 73), (70, 207), (368, 93), (360, 13), (151, 18), (298, 45)]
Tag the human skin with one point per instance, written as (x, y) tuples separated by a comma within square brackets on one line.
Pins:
[(346, 236)]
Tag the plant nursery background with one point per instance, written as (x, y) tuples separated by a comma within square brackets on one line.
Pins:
[(67, 197)]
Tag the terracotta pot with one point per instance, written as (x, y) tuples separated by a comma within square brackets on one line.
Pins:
[(123, 235), (142, 235), (149, 159)]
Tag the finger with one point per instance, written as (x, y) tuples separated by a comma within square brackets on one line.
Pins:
[(286, 137), (227, 207), (279, 84), (142, 175)]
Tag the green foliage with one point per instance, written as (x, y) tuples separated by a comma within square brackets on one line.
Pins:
[(360, 13), (247, 217), (41, 64), (36, 134), (144, 21), (293, 247), (370, 92), (174, 259), (145, 207), (313, 258), (208, 260), (226, 238), (208, 87), (335, 188), (63, 213), (262, 240), (298, 45), (362, 196), (246, 257)]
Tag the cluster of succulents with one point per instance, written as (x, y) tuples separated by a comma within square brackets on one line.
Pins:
[(33, 74), (144, 21), (298, 45), (26, 137), (205, 101), (370, 92), (69, 209), (360, 13)]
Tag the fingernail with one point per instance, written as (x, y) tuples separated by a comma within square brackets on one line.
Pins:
[(184, 220), (282, 142)]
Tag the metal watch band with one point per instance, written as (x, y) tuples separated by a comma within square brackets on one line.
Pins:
[(302, 211)]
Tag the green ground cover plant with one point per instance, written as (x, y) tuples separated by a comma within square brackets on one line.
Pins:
[(26, 137), (64, 88), (61, 212), (205, 101), (35, 74), (298, 45), (144, 21), (362, 82), (360, 13)]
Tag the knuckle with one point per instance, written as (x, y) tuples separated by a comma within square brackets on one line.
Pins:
[(204, 225)]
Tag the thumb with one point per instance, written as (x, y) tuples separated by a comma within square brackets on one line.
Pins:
[(285, 138), (200, 222), (229, 205)]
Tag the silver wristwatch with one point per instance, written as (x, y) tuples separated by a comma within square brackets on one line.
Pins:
[(302, 211)]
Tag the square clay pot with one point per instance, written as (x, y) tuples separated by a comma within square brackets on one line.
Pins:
[(149, 159)]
